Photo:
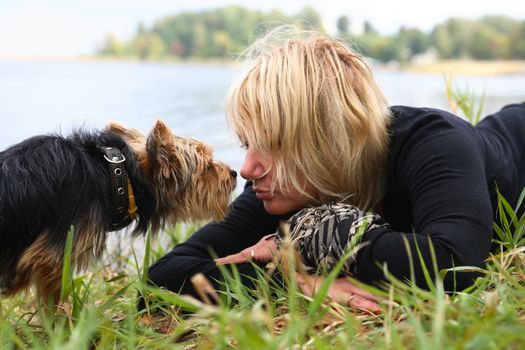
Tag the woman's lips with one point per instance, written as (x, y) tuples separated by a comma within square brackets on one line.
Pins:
[(264, 195)]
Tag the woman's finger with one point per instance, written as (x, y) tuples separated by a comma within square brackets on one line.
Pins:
[(361, 292), (360, 303), (261, 252), (238, 258), (232, 259)]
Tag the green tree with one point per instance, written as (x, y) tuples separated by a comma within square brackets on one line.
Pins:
[(343, 26), (222, 32), (309, 18), (156, 47), (382, 48), (148, 46), (500, 24), (413, 40), (223, 43), (450, 37), (487, 38), (517, 38), (113, 47), (227, 31), (441, 40), (369, 29)]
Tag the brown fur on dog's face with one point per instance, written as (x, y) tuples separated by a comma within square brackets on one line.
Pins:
[(187, 182)]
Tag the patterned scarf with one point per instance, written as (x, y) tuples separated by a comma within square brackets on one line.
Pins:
[(323, 235)]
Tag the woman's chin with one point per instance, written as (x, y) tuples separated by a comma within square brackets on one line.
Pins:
[(278, 207), (277, 203)]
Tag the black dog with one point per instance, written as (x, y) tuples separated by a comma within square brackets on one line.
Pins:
[(95, 183)]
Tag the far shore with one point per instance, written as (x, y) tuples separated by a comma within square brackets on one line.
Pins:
[(126, 59), (450, 67), (469, 67)]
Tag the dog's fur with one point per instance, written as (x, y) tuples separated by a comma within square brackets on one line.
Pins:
[(49, 184)]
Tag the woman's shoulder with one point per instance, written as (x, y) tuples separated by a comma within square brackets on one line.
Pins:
[(417, 133), (405, 116), (417, 124)]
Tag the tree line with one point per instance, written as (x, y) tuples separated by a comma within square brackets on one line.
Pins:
[(222, 33)]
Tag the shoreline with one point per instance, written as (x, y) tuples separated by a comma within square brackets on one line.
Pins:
[(447, 67), (469, 67), (131, 60)]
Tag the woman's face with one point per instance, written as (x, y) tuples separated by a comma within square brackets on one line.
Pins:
[(259, 168)]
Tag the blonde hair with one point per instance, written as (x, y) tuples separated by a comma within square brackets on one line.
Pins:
[(314, 106)]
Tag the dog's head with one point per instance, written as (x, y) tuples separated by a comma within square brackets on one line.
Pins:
[(188, 183)]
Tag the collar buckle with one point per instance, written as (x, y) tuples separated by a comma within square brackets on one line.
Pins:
[(116, 157)]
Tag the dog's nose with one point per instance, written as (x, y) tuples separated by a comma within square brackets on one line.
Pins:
[(233, 173)]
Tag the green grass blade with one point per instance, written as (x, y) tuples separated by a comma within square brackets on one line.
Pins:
[(146, 260), (67, 268)]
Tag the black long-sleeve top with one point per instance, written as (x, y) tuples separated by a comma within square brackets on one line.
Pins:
[(442, 174)]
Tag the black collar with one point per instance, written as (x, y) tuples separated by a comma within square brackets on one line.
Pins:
[(121, 214)]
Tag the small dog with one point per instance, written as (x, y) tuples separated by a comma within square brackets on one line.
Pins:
[(96, 183)]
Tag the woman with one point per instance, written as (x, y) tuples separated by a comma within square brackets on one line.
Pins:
[(322, 142)]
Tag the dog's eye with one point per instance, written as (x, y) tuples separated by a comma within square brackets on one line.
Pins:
[(245, 146)]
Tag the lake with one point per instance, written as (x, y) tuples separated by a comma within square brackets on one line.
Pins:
[(57, 96)]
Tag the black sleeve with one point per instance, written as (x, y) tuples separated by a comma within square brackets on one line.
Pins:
[(246, 223), (441, 168)]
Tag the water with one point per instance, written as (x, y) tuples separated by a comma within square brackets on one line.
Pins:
[(43, 97)]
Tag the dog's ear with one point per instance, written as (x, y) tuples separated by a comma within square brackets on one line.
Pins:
[(159, 146), (132, 137)]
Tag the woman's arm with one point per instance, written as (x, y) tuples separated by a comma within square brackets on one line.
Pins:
[(246, 223), (342, 290), (441, 169)]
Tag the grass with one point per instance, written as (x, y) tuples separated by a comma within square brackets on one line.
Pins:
[(99, 313), (98, 307)]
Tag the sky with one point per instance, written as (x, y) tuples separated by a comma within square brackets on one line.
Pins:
[(68, 28)]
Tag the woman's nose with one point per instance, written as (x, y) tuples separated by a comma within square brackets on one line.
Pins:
[(253, 167), (248, 166)]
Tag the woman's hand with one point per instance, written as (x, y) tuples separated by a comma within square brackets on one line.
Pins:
[(262, 252), (341, 291)]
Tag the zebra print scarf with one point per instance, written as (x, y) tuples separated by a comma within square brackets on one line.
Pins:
[(323, 235)]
